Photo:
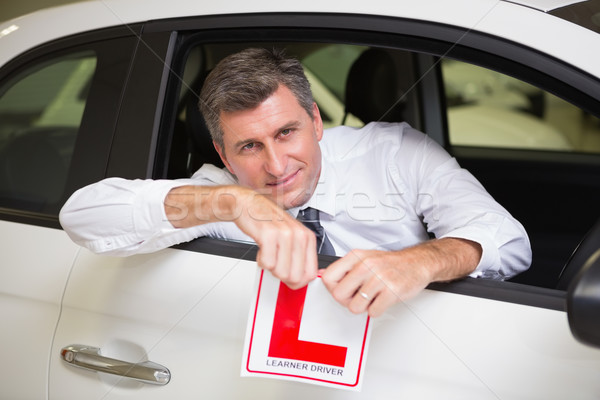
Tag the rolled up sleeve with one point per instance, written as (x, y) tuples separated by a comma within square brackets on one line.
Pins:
[(454, 204), (119, 217), (505, 246)]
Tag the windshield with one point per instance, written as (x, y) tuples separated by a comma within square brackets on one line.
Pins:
[(586, 14)]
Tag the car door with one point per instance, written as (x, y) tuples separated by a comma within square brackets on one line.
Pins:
[(45, 127), (181, 313), (31, 244)]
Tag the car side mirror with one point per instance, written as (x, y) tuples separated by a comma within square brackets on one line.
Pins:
[(583, 302)]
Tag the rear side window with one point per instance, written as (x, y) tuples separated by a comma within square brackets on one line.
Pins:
[(40, 113), (490, 109)]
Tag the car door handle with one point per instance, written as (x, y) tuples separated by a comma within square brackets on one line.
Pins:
[(89, 358)]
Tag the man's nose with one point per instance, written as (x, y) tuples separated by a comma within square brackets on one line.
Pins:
[(275, 162)]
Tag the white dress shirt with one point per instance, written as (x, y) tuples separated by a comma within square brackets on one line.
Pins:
[(384, 186)]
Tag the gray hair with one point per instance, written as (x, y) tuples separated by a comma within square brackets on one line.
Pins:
[(243, 80)]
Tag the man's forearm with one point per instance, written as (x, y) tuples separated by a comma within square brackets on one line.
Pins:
[(187, 206), (449, 258), (285, 246)]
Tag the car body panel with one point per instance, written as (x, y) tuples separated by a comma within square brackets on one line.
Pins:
[(546, 5), (31, 289), (161, 306), (549, 36)]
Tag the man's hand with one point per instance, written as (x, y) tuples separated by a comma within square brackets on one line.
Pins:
[(373, 280), (286, 247)]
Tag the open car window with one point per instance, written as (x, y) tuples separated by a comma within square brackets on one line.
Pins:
[(505, 131)]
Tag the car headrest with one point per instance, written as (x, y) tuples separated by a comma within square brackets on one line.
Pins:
[(201, 138), (372, 89), (198, 131)]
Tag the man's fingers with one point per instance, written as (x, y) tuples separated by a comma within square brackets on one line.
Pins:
[(337, 270), (302, 264), (266, 256), (288, 251), (363, 281), (366, 295), (344, 277), (286, 247), (381, 303), (283, 248), (310, 263)]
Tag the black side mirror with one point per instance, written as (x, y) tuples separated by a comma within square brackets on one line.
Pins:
[(583, 302)]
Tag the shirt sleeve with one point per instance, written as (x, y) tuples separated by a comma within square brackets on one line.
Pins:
[(122, 217), (454, 204)]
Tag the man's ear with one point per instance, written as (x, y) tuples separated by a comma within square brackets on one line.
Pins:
[(318, 122), (223, 158)]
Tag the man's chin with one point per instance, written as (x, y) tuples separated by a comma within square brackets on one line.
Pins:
[(289, 200), (296, 201)]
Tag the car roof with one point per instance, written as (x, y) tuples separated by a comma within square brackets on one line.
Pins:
[(546, 5), (518, 21)]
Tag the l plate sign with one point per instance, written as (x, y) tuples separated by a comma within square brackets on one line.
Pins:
[(304, 335)]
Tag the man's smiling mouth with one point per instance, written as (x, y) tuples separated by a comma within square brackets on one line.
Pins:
[(284, 181)]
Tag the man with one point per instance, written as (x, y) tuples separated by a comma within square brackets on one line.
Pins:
[(381, 192)]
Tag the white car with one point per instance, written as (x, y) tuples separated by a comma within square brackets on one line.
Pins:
[(108, 88)]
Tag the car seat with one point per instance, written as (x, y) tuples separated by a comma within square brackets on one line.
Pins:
[(374, 91), (198, 131)]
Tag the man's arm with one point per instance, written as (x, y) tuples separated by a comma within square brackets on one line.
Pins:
[(286, 247), (476, 236), (123, 217), (389, 277)]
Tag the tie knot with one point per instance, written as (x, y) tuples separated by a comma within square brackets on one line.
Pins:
[(308, 214), (310, 218)]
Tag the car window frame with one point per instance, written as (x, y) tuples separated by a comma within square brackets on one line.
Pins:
[(435, 40), (528, 295), (363, 30)]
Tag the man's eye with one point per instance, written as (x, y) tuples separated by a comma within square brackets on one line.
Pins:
[(249, 146), (285, 132)]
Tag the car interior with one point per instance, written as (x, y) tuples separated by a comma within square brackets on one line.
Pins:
[(40, 115), (39, 185)]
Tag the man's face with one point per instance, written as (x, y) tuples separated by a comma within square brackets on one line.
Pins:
[(274, 148)]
